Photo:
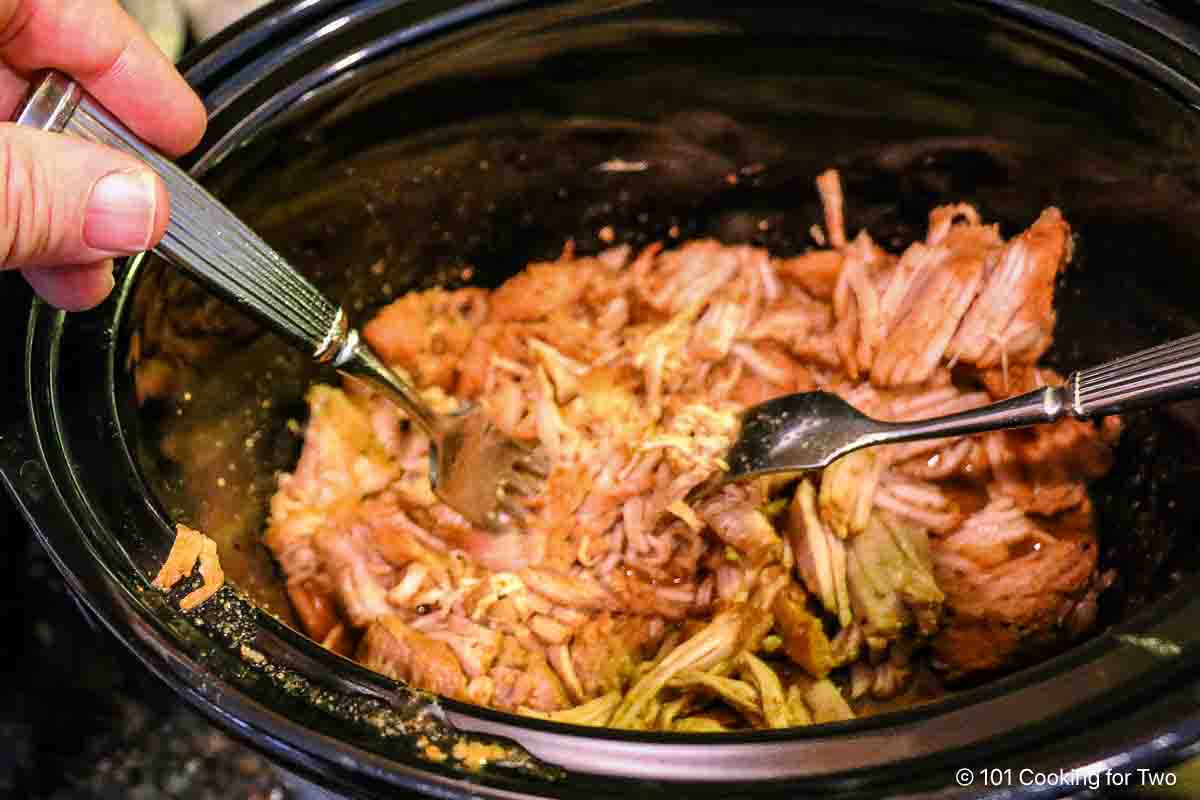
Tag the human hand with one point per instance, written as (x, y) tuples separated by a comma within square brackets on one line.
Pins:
[(67, 206)]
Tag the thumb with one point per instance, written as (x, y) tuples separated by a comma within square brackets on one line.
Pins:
[(64, 201)]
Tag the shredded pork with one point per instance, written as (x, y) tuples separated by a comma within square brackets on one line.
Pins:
[(775, 603)]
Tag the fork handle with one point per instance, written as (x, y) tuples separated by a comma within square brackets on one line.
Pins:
[(207, 241), (1034, 408), (1149, 377), (203, 238), (1160, 374)]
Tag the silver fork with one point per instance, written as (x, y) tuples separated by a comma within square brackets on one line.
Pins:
[(475, 468), (811, 430)]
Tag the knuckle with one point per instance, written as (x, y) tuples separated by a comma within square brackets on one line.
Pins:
[(11, 201), (15, 19), (26, 218)]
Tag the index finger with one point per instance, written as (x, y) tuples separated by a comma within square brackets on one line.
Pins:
[(98, 44)]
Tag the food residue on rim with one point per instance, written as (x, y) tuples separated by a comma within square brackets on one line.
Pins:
[(191, 546)]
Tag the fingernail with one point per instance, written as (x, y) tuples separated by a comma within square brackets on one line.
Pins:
[(121, 211)]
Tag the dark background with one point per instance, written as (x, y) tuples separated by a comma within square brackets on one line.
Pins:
[(79, 717)]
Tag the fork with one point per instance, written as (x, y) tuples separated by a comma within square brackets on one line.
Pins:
[(811, 430), (475, 468)]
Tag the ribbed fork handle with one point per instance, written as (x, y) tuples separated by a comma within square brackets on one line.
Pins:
[(1158, 375), (1149, 377), (203, 238)]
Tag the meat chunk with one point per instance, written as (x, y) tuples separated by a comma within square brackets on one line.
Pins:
[(316, 609), (390, 533), (475, 646), (342, 459), (568, 590), (606, 650), (1008, 607), (508, 350), (769, 372), (918, 503), (1012, 319), (396, 650), (804, 639), (523, 679), (735, 518), (826, 703), (989, 535), (685, 278), (351, 563), (544, 690), (891, 581), (1044, 470), (540, 290), (856, 304), (427, 333), (829, 186), (929, 291), (848, 492), (640, 594), (820, 554), (816, 272)]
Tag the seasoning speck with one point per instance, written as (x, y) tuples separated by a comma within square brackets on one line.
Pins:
[(621, 165), (1162, 648), (252, 655), (476, 755)]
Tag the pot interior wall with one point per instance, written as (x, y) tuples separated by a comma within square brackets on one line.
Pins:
[(457, 163)]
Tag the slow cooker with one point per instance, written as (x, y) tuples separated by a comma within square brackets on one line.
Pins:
[(385, 145)]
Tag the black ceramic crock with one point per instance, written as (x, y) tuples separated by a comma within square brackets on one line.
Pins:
[(391, 144)]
